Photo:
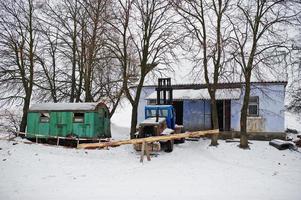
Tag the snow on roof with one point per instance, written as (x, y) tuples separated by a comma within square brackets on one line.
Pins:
[(158, 106), (221, 94), (65, 106)]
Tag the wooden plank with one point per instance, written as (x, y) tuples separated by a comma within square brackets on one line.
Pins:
[(148, 139)]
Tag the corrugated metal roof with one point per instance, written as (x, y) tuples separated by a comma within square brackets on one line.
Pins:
[(221, 94), (222, 85), (66, 106)]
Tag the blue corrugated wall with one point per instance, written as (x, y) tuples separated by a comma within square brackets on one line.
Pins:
[(196, 114)]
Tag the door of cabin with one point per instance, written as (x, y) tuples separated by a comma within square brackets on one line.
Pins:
[(224, 114), (178, 106)]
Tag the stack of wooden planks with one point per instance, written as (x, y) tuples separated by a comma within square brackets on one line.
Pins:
[(147, 140)]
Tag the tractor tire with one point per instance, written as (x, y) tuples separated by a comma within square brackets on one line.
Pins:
[(169, 146)]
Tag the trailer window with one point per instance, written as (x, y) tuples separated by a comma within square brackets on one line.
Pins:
[(78, 117), (44, 117)]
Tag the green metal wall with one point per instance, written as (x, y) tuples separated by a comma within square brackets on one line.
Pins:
[(95, 125), (34, 126)]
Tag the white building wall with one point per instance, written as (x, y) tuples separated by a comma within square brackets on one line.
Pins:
[(271, 107), (146, 91)]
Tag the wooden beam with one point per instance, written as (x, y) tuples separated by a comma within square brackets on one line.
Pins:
[(148, 139)]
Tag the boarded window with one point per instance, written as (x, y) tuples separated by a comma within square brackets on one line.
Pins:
[(253, 108), (78, 117), (44, 117)]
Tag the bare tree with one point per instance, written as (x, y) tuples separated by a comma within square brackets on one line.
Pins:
[(46, 81), (295, 71), (18, 47), (142, 37), (10, 121), (93, 30), (96, 77), (258, 39), (107, 81), (206, 28), (64, 18)]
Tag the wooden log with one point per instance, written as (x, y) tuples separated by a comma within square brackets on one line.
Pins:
[(148, 139)]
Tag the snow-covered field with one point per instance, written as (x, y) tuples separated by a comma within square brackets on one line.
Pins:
[(192, 171)]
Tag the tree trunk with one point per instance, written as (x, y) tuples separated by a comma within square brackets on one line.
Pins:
[(135, 107), (28, 85), (24, 115), (74, 46), (25, 112), (73, 83), (87, 83), (134, 119), (243, 116), (80, 84), (115, 104), (214, 121), (88, 96)]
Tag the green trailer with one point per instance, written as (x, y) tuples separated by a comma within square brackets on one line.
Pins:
[(79, 120)]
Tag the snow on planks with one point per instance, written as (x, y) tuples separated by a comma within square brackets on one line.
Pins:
[(147, 140)]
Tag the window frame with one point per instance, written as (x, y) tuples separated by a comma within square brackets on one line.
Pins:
[(44, 115), (74, 116), (252, 103)]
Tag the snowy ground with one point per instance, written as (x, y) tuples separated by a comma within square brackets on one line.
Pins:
[(192, 171)]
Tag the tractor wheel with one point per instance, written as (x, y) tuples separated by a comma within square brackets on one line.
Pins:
[(169, 146)]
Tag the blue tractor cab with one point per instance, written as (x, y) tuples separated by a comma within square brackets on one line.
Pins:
[(166, 111)]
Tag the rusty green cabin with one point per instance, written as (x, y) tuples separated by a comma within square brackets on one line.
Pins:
[(82, 120)]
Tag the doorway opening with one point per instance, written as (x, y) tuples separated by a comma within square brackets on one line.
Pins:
[(224, 114), (178, 106)]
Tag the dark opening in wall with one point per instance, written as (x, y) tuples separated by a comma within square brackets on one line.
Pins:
[(79, 117)]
